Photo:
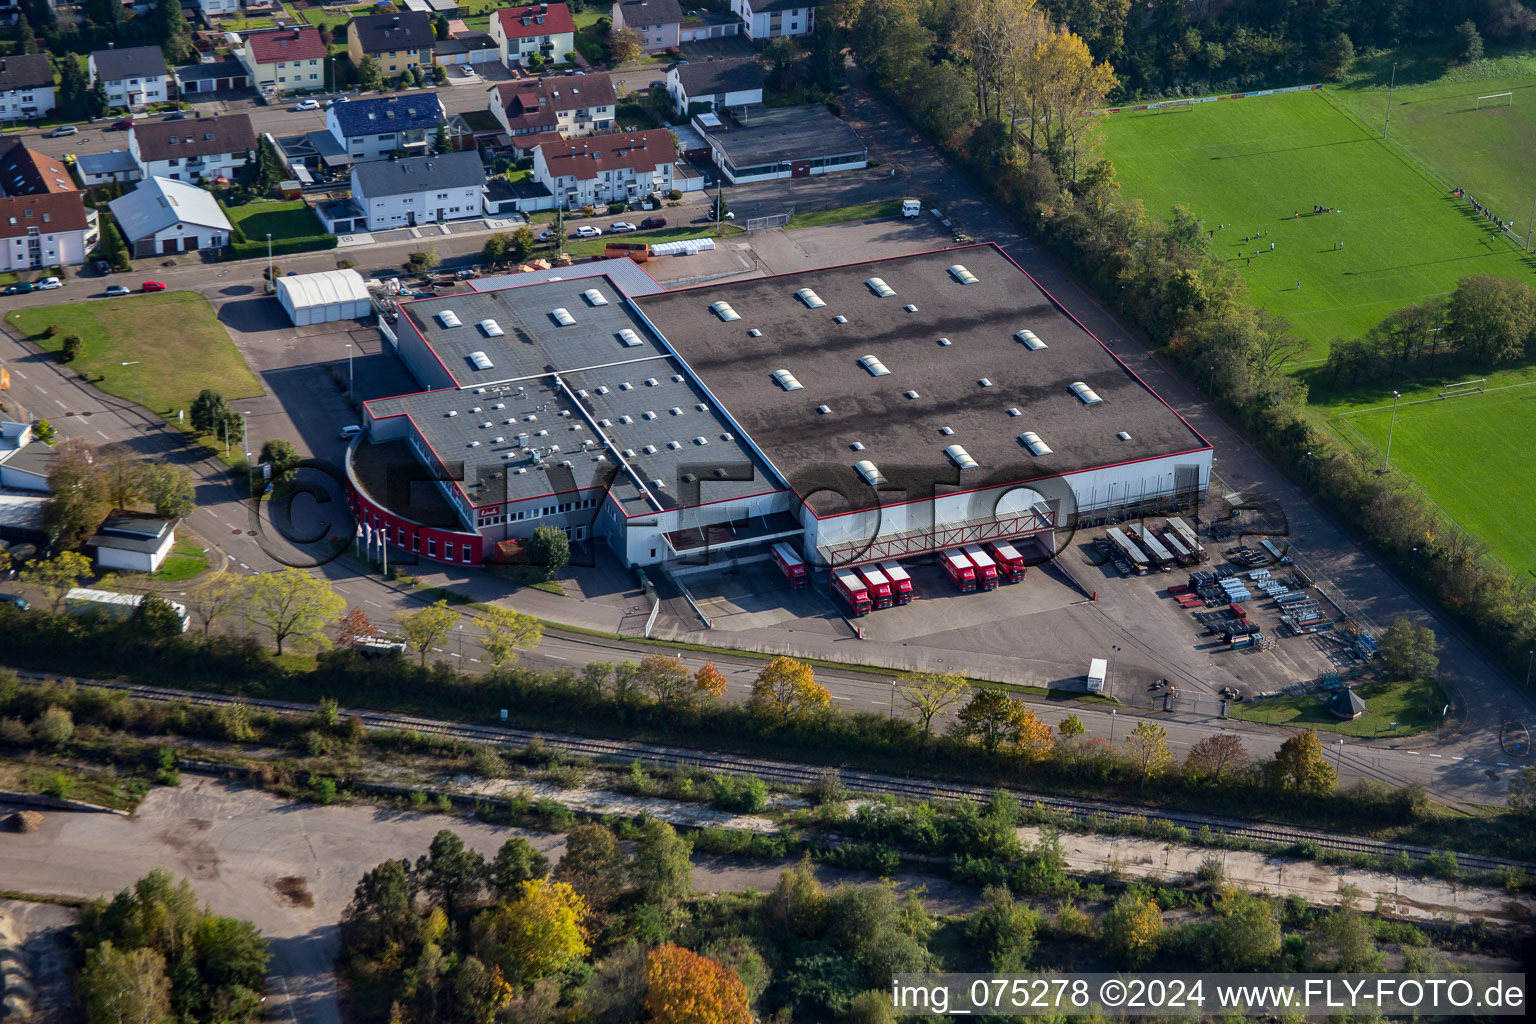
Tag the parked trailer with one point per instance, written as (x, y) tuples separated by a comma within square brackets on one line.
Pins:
[(1009, 562), (901, 583), (791, 565), (1130, 551), (111, 605), (1159, 555), (987, 576), (1172, 542), (959, 569), (847, 585), (1097, 669), (1179, 525), (879, 586)]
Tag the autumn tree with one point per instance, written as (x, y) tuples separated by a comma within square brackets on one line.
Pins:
[(1034, 737), (57, 575), (1071, 727), (293, 605), (990, 717), (426, 627), (119, 477), (683, 987), (1408, 651), (168, 489), (593, 865), (709, 680), (1131, 929), (508, 632), (660, 869), (786, 689), (79, 501), (666, 678), (522, 244), (215, 596), (1301, 767), (495, 248), (124, 986), (1003, 931), (1246, 935), (353, 626), (623, 45), (1067, 86), (539, 932), (927, 694), (1216, 758), (1147, 747)]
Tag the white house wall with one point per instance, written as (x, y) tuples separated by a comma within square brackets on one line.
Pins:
[(26, 104)]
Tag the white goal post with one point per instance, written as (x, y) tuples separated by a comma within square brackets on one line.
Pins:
[(1493, 98), (1466, 387)]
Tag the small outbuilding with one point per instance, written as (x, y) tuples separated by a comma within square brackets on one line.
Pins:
[(136, 543), (1346, 705), (325, 297)]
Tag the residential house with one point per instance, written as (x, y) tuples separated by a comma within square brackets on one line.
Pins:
[(115, 165), (24, 466), (284, 59), (446, 8), (395, 41), (26, 86), (606, 168), (715, 84), (420, 190), (375, 129), (44, 221), (658, 23), (137, 543), (760, 144), (765, 19), (194, 149), (166, 216), (134, 76), (547, 30), (539, 110), (215, 8), (226, 74)]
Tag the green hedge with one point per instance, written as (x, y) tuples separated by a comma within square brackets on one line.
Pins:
[(253, 250)]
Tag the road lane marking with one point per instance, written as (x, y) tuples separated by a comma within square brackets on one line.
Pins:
[(19, 374), (374, 603), (1434, 755), (475, 660), (836, 697), (103, 434), (60, 404), (1501, 764)]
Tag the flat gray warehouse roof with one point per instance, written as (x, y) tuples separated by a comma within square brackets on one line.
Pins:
[(786, 133), (962, 392)]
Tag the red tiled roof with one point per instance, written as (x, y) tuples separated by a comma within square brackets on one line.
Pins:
[(25, 171), (53, 212), (557, 19), (286, 44), (586, 158)]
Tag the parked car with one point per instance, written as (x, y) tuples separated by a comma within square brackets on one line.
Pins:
[(17, 600), (653, 222), (19, 288), (154, 286), (619, 227), (350, 431), (308, 105), (102, 267), (63, 129), (588, 231), (118, 290), (120, 125), (48, 284), (338, 100), (546, 236), (178, 116)]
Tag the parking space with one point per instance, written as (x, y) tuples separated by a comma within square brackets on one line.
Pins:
[(782, 251)]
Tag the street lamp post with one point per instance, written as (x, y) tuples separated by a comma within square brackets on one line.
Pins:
[(1391, 427), (138, 378), (245, 424), (1530, 664), (1309, 467), (349, 370), (1415, 566), (270, 282), (1114, 656), (892, 713)]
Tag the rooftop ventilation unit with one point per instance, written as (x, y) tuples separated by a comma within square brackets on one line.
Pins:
[(870, 472), (595, 297), (648, 415), (474, 444), (1123, 436), (510, 455), (824, 409), (497, 440), (911, 394), (625, 386), (839, 319), (676, 410), (1030, 339), (1084, 392), (509, 421), (626, 419), (491, 328), (984, 382), (727, 436), (541, 433), (701, 441), (1015, 412), (875, 367), (480, 361), (946, 431), (651, 382), (605, 423), (452, 412), (702, 407), (448, 318), (674, 445), (960, 457), (910, 308), (857, 446), (486, 425), (677, 378), (659, 484), (786, 380), (810, 298), (628, 338), (532, 417), (724, 311), (499, 405), (475, 408), (945, 343), (565, 412), (880, 288), (602, 389), (1031, 440), (563, 317), (959, 273), (754, 333), (629, 453)]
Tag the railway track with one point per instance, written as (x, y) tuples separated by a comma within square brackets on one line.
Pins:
[(792, 774)]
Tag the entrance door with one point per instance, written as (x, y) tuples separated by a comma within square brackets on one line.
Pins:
[(410, 219), (800, 169)]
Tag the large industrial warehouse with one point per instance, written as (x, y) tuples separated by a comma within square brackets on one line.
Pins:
[(866, 412)]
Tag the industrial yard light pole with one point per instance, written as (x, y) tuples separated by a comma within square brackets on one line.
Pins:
[(245, 424), (138, 378), (1113, 657), (1338, 757), (1415, 566), (349, 370), (1309, 467), (892, 713), (1387, 465), (1111, 725), (1528, 666), (270, 283)]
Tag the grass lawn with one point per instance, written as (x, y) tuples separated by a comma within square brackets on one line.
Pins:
[(186, 560), (844, 214), (335, 22), (1472, 454), (283, 220), (1252, 163), (179, 343), (1414, 706)]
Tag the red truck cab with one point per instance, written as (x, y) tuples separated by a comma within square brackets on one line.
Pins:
[(1009, 562), (791, 565), (847, 585), (987, 576), (879, 586), (959, 569), (901, 583)]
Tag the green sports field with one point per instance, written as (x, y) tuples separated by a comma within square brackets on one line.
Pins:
[(1254, 164), (1473, 456)]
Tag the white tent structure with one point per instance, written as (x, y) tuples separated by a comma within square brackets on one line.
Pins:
[(324, 297)]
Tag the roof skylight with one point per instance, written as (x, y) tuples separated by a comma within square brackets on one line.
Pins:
[(880, 288), (1031, 440), (960, 457), (959, 273), (810, 298), (724, 311)]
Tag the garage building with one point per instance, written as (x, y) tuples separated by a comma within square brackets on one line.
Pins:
[(325, 297)]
